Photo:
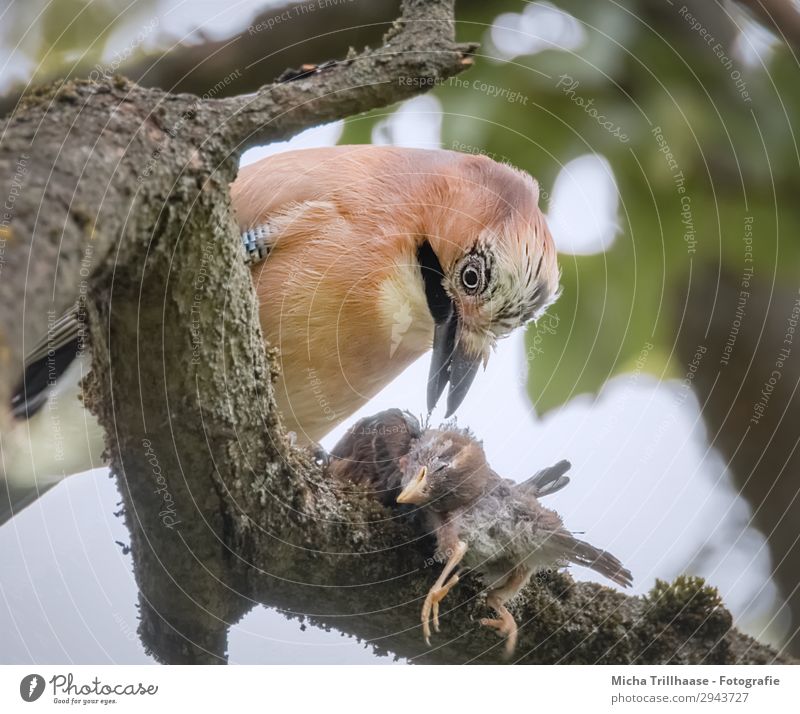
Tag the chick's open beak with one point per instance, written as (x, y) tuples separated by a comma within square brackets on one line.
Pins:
[(412, 493), (450, 362)]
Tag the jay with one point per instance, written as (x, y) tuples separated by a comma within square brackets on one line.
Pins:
[(363, 258)]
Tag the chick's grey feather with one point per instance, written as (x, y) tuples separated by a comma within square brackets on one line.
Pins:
[(506, 530)]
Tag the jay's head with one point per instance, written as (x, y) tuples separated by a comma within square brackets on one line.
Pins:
[(444, 470), (488, 267)]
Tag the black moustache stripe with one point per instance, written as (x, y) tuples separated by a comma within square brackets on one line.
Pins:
[(439, 302)]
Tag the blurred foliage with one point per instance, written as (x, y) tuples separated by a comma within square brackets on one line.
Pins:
[(644, 67), (74, 28), (54, 39)]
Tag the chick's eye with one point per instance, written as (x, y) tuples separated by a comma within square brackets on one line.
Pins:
[(472, 277)]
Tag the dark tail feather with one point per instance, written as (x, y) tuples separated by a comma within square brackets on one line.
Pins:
[(13, 498), (601, 561), (31, 393), (547, 481), (45, 363)]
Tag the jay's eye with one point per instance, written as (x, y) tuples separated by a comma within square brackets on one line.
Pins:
[(472, 276)]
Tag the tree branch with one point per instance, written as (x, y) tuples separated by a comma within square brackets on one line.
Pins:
[(780, 16), (282, 36), (419, 49), (123, 203)]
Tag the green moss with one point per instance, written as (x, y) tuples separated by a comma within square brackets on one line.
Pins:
[(689, 605), (686, 609)]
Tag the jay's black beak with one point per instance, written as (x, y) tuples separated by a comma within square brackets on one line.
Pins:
[(450, 361)]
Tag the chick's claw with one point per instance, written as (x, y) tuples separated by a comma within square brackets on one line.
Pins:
[(440, 594), (506, 627), (430, 610), (440, 588)]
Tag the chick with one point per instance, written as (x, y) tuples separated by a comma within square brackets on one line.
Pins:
[(373, 453), (491, 526), (370, 452)]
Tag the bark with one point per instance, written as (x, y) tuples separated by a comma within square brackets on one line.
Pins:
[(121, 201), (280, 37)]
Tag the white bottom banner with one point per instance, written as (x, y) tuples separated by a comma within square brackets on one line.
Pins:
[(399, 689)]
